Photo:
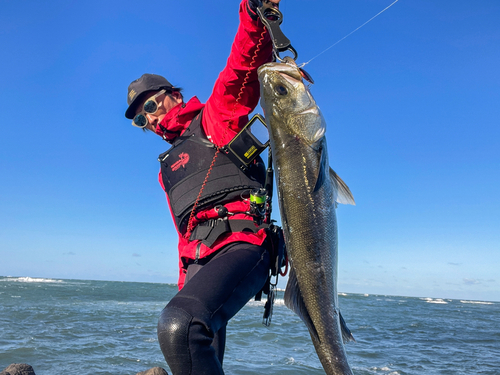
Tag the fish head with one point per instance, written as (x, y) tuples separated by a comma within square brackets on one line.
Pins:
[(288, 104)]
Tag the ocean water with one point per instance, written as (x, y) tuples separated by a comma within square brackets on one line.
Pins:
[(101, 327)]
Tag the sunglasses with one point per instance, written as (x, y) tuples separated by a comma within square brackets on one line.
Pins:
[(150, 106)]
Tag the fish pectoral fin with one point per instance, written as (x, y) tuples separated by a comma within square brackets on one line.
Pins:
[(320, 177), (346, 332), (343, 193), (295, 302)]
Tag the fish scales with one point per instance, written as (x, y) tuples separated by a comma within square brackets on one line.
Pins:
[(307, 194)]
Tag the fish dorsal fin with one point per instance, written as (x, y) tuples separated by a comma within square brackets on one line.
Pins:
[(295, 302), (343, 194), (346, 332)]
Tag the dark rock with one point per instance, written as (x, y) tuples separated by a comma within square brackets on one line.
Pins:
[(18, 369), (151, 371)]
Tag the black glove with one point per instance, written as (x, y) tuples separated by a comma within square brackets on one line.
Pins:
[(254, 4), (252, 8)]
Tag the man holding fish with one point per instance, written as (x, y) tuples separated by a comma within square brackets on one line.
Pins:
[(223, 253)]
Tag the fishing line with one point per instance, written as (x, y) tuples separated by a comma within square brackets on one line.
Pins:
[(352, 32)]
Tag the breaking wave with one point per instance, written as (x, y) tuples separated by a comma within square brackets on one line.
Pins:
[(478, 302), (28, 279), (435, 300)]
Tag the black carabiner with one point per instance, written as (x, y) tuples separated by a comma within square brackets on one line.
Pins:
[(271, 17)]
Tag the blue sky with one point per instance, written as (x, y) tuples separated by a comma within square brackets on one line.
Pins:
[(412, 103)]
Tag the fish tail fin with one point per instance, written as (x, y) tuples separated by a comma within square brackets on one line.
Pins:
[(346, 332)]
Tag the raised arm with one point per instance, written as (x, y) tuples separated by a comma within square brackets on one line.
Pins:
[(236, 91)]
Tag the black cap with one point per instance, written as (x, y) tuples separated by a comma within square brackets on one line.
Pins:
[(147, 82)]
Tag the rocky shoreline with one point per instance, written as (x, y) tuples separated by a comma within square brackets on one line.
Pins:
[(24, 369)]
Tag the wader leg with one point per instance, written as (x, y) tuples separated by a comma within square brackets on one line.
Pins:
[(188, 325), (219, 342)]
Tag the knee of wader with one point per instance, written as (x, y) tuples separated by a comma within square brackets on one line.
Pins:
[(173, 336)]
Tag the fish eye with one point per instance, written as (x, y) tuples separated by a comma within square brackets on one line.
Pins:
[(281, 90)]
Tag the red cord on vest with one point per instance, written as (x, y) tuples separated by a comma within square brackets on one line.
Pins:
[(238, 98)]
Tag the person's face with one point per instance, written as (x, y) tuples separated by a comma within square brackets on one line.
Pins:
[(165, 103)]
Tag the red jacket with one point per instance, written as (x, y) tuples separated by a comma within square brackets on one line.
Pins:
[(223, 117)]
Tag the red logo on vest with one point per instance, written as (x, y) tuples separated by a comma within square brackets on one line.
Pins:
[(183, 160)]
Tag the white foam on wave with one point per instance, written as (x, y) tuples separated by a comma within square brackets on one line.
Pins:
[(277, 302), (478, 302), (28, 279), (256, 303), (385, 369), (290, 361), (437, 300)]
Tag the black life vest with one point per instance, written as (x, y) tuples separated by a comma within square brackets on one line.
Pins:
[(184, 168)]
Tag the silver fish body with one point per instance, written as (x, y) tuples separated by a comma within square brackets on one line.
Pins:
[(307, 191)]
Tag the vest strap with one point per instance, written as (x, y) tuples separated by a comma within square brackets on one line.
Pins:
[(209, 231)]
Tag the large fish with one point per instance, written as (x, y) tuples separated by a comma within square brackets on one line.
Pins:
[(308, 192)]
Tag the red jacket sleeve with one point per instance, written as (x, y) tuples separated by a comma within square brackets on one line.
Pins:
[(224, 113)]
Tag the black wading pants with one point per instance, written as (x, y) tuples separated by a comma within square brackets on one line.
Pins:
[(192, 327)]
